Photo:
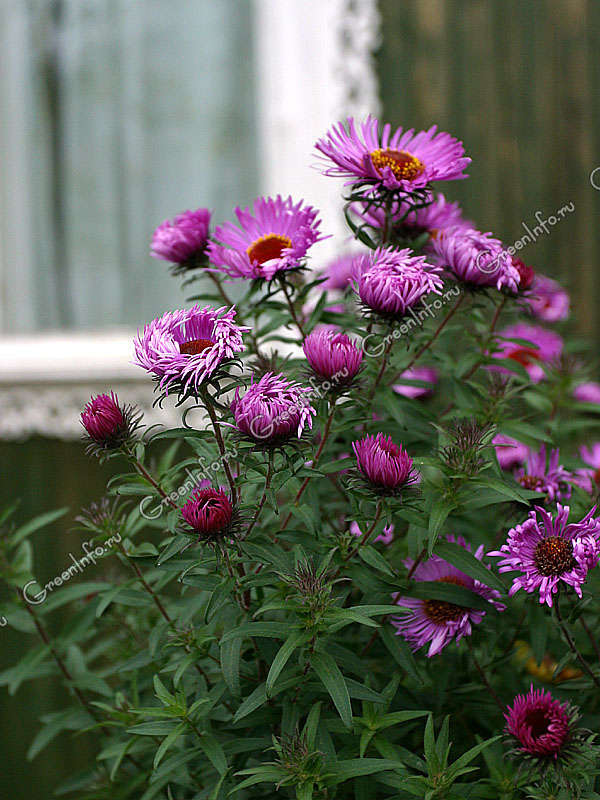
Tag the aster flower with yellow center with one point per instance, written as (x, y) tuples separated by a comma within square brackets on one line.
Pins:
[(272, 237), (402, 160)]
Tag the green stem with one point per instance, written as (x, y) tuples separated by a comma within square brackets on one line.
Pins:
[(292, 310), (365, 537), (219, 439), (571, 642)]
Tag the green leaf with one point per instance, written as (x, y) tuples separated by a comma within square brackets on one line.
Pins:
[(438, 515), (374, 559), (295, 639), (214, 752), (354, 767), (230, 664), (401, 652), (334, 682), (35, 524), (448, 592), (466, 562), (167, 742), (271, 630)]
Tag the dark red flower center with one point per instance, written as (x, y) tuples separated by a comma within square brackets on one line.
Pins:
[(195, 347), (524, 355), (526, 273), (554, 555), (531, 482), (403, 165), (537, 720), (597, 477), (441, 611), (268, 247)]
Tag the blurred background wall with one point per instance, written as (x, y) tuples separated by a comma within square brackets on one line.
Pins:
[(119, 113)]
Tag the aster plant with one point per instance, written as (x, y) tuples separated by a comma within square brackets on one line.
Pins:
[(349, 572)]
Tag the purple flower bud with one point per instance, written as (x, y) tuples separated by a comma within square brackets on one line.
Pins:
[(104, 420), (182, 238), (333, 355), (383, 463), (273, 410), (540, 724), (208, 512), (476, 258)]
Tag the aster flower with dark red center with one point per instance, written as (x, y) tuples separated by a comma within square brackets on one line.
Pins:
[(545, 475), (402, 160), (389, 282), (407, 222), (333, 356), (209, 513), (183, 240), (272, 237), (509, 451), (548, 552), (427, 375), (539, 347), (107, 424), (540, 724), (385, 466), (438, 622), (273, 411), (589, 479), (475, 258), (587, 392), (526, 274), (185, 348), (548, 300)]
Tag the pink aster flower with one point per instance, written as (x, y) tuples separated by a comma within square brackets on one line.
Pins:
[(545, 346), (548, 300), (333, 355), (390, 281), (184, 348), (545, 476), (589, 479), (424, 374), (386, 537), (509, 451), (475, 258), (438, 622), (409, 223), (340, 271), (273, 410), (384, 464), (401, 160), (208, 512), (587, 392), (183, 238), (548, 551), (273, 236), (539, 723)]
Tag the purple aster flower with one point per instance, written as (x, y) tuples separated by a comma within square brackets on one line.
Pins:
[(589, 479), (386, 537), (273, 410), (107, 424), (548, 300), (540, 724), (438, 622), (384, 464), (409, 223), (183, 239), (545, 476), (509, 451), (587, 392), (545, 346), (390, 281), (333, 355), (208, 512), (475, 258), (340, 271), (401, 160), (273, 236), (547, 551), (184, 348), (425, 374)]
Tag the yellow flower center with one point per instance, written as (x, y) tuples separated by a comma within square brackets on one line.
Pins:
[(268, 247), (404, 166)]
